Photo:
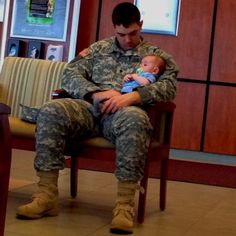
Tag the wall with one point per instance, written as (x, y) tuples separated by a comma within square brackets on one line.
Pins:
[(220, 132)]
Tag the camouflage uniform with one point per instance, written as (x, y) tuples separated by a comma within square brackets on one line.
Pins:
[(65, 121)]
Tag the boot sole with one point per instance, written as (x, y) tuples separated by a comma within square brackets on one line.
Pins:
[(121, 231), (52, 212)]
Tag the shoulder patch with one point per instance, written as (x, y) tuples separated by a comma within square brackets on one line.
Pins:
[(84, 52)]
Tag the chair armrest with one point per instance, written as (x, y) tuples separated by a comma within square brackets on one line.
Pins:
[(161, 106), (60, 93), (158, 108), (161, 116), (4, 109)]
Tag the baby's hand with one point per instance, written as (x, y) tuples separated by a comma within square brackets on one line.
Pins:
[(128, 77)]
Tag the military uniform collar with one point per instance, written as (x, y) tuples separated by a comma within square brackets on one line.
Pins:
[(114, 47)]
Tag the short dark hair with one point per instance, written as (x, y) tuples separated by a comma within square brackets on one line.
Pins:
[(125, 14)]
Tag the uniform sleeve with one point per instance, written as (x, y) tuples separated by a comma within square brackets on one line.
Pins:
[(165, 87), (76, 78)]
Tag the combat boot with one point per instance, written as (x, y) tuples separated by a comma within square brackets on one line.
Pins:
[(123, 213), (45, 200)]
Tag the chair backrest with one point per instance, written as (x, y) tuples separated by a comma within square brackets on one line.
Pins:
[(28, 81)]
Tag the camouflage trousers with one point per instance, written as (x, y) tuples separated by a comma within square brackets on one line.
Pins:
[(67, 121)]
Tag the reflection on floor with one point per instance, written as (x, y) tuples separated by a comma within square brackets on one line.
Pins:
[(191, 209)]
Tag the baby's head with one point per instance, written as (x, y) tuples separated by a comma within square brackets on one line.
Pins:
[(153, 64)]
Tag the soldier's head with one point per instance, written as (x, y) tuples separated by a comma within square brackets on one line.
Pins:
[(127, 25)]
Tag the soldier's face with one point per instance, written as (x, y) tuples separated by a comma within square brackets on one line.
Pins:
[(129, 37)]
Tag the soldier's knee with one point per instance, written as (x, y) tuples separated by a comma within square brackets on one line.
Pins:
[(50, 108), (51, 112), (136, 118)]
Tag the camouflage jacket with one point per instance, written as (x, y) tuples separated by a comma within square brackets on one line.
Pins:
[(103, 65)]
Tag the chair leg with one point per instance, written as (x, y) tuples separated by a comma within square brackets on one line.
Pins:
[(163, 183), (142, 201), (73, 176), (142, 197)]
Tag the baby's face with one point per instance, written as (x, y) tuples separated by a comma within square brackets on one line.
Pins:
[(149, 64)]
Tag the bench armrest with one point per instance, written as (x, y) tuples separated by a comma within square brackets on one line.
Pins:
[(60, 93), (4, 109)]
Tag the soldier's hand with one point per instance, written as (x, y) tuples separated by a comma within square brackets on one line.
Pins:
[(117, 102), (105, 95)]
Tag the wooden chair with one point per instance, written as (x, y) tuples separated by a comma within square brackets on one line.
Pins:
[(161, 117), (5, 162)]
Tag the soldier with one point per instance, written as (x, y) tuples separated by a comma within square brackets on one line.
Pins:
[(97, 75)]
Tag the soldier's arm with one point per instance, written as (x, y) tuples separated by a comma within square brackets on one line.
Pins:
[(76, 79)]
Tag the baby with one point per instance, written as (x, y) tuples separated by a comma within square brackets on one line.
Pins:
[(151, 67)]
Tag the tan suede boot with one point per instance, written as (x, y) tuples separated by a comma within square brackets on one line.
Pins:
[(45, 200), (123, 214)]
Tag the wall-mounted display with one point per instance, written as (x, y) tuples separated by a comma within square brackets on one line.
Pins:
[(40, 19), (34, 49), (159, 16)]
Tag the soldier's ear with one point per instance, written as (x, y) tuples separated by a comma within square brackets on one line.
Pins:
[(140, 24)]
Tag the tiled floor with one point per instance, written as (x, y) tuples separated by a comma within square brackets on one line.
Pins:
[(192, 210)]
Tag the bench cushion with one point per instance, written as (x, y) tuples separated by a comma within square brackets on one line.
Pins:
[(21, 128)]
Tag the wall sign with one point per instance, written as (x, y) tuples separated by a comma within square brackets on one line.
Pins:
[(159, 16), (40, 19), (40, 12)]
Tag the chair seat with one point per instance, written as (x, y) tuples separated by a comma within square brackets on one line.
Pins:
[(99, 142)]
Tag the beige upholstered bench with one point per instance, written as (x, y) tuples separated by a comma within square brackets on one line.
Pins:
[(29, 82)]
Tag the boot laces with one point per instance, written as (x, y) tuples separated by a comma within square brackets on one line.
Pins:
[(126, 209), (40, 195)]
